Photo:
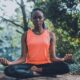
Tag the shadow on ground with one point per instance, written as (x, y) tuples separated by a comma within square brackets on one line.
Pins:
[(58, 77)]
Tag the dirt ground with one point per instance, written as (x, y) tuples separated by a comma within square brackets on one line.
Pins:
[(59, 77)]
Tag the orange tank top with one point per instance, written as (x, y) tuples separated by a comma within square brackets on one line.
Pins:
[(38, 47)]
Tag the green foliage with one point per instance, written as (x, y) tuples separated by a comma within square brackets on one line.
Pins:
[(77, 55), (15, 42), (40, 3), (63, 14), (65, 43), (1, 28), (70, 3), (74, 68)]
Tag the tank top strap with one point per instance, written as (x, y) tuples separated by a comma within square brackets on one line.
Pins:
[(30, 32)]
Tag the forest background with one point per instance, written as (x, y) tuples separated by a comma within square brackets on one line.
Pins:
[(62, 17)]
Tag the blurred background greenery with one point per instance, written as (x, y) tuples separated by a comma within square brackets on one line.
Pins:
[(62, 17)]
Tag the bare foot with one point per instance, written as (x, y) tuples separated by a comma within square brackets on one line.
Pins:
[(36, 69)]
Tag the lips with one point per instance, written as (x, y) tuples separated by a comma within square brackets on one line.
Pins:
[(37, 23)]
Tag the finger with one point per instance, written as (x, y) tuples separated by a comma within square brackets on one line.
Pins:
[(69, 57), (3, 61), (66, 55)]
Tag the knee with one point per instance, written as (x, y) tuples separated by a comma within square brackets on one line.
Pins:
[(66, 68), (9, 70)]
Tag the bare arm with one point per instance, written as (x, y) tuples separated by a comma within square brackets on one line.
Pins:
[(53, 56), (23, 53)]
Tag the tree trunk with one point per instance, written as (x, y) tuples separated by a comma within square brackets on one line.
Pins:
[(25, 22)]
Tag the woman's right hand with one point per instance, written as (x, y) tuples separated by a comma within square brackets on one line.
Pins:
[(4, 62)]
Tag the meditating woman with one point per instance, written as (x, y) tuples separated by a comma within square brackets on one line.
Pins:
[(38, 55)]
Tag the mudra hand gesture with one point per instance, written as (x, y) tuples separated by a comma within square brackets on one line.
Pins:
[(68, 57), (4, 61)]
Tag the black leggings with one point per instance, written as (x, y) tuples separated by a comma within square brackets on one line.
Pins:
[(23, 70)]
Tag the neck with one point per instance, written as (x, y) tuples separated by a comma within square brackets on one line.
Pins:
[(38, 30)]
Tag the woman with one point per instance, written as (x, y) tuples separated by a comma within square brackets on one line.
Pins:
[(38, 52)]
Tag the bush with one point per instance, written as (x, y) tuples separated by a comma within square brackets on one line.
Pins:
[(74, 68)]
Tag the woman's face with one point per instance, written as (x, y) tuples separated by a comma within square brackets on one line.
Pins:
[(37, 18)]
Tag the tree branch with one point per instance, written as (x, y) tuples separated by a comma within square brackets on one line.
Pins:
[(18, 3), (1, 40), (24, 16), (22, 7), (11, 22), (19, 31)]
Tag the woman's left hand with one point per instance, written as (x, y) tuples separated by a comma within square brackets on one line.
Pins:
[(68, 57)]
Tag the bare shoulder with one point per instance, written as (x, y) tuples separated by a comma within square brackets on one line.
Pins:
[(24, 35), (52, 35)]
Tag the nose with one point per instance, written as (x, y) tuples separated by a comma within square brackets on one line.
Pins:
[(37, 19)]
